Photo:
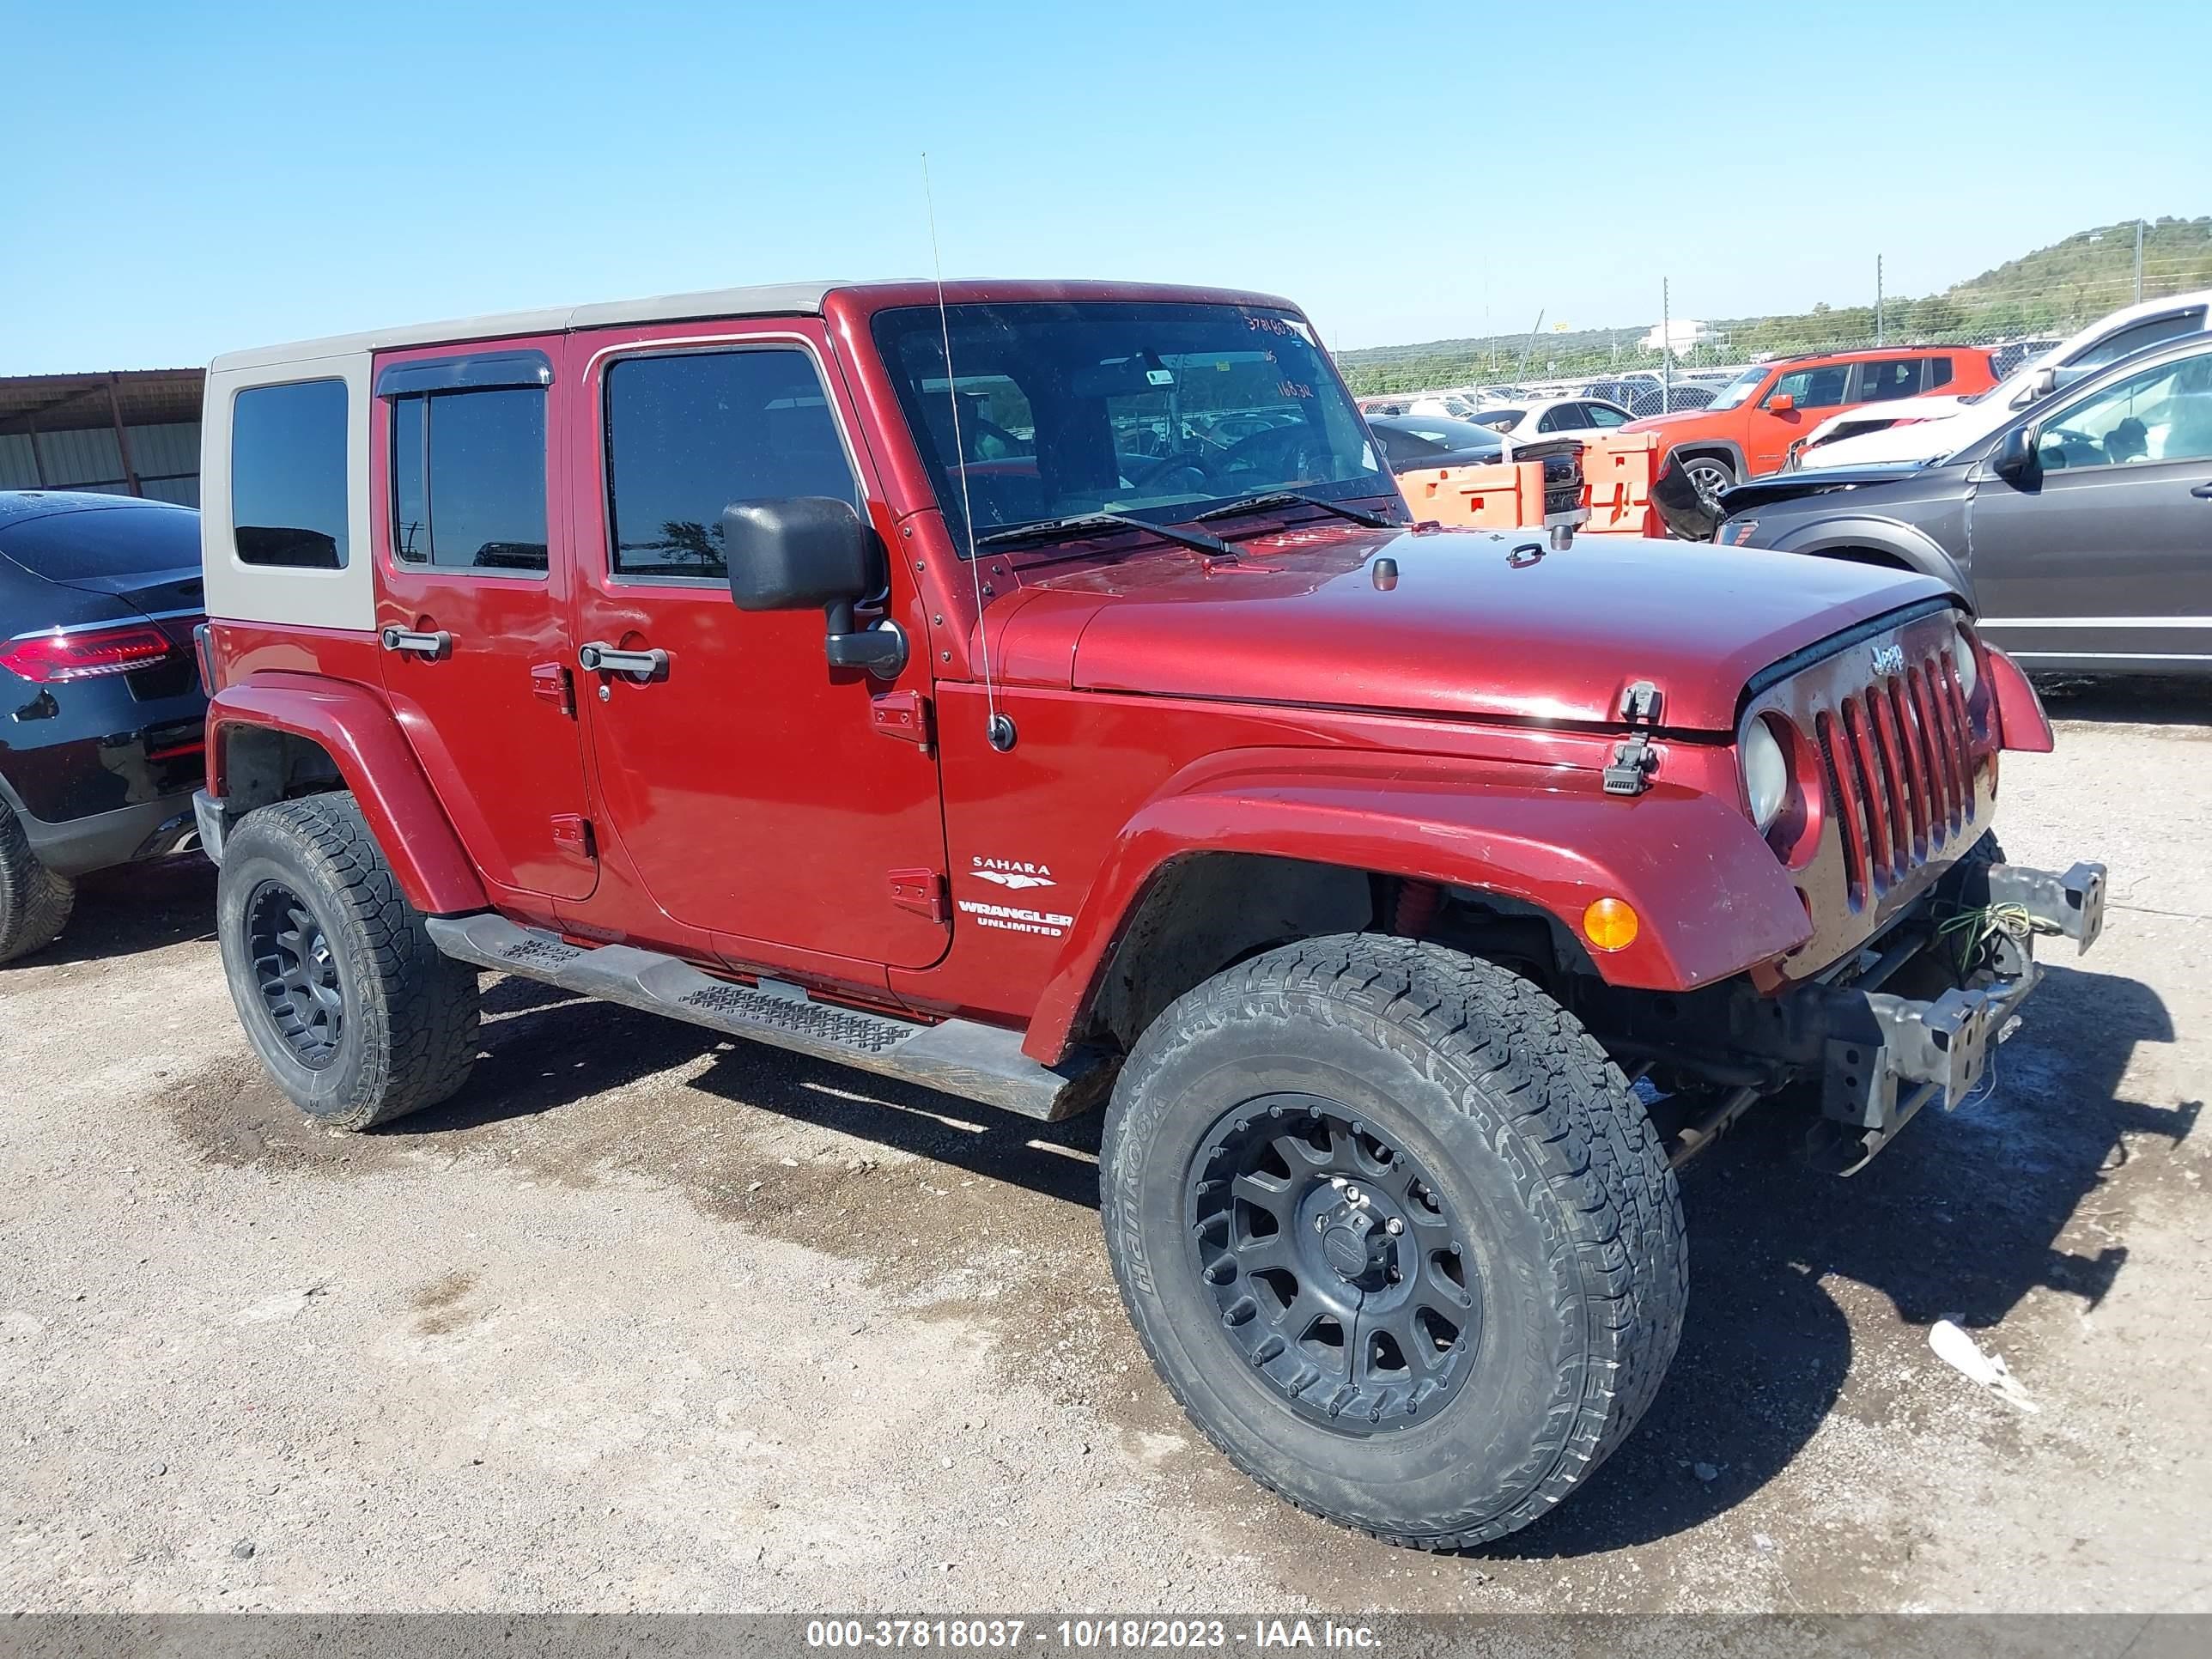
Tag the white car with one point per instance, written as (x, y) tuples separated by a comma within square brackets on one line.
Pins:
[(1921, 428), (1551, 418)]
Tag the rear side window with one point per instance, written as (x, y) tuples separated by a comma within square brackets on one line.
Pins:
[(468, 479), (1894, 377), (690, 433), (1939, 372), (288, 474)]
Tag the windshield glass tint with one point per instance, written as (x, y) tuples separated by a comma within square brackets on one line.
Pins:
[(1157, 410), (1739, 389)]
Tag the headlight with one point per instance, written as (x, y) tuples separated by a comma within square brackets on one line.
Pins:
[(1970, 670), (1765, 775)]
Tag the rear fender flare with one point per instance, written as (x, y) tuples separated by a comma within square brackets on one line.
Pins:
[(1712, 898), (356, 728)]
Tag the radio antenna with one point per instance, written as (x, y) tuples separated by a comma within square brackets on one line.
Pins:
[(998, 727)]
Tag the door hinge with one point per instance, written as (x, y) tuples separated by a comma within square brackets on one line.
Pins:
[(902, 715), (550, 682), (572, 834), (922, 892)]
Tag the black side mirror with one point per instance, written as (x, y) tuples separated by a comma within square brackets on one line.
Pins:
[(795, 552), (2014, 460)]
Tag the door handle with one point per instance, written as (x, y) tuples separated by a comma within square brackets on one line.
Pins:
[(2203, 492), (433, 645), (597, 657)]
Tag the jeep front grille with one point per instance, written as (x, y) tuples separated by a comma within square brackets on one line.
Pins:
[(1899, 758)]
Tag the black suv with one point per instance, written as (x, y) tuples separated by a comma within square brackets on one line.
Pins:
[(101, 712)]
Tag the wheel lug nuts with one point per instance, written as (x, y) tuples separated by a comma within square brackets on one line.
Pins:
[(1321, 1224), (1352, 1193), (1396, 1225)]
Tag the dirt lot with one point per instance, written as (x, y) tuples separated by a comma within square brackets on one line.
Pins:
[(645, 1320)]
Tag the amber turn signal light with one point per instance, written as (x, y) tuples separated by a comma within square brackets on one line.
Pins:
[(1609, 924)]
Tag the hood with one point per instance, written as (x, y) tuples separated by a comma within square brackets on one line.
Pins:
[(1947, 425), (1789, 486), (1931, 406), (1673, 420), (1475, 624)]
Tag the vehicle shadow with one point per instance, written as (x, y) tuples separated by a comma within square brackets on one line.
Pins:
[(2130, 700), (1959, 1219), (133, 908), (544, 1048)]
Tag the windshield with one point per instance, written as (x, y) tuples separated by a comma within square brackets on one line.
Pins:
[(1739, 389), (1155, 410)]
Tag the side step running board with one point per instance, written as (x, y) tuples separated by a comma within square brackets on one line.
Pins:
[(962, 1057)]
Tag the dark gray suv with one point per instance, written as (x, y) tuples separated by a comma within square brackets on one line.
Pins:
[(2081, 530)]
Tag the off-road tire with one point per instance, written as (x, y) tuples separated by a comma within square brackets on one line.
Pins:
[(34, 902), (1526, 1126), (411, 1013)]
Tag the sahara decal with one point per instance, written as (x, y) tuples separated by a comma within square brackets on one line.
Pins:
[(1016, 873)]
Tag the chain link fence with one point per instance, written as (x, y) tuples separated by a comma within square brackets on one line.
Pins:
[(2013, 313)]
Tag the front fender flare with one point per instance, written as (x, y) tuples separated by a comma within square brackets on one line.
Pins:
[(1828, 538), (2021, 723), (359, 732), (1712, 898)]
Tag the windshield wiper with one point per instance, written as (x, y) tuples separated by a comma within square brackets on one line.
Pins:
[(1045, 530), (1292, 498)]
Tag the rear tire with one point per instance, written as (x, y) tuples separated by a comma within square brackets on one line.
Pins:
[(359, 1017), (1495, 1152), (34, 902)]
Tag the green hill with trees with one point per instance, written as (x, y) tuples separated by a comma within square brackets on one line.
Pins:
[(2053, 290)]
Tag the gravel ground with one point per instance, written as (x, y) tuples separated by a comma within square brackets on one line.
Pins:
[(650, 1320)]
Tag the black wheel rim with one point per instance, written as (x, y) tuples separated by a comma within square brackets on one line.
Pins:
[(296, 973), (1340, 1273)]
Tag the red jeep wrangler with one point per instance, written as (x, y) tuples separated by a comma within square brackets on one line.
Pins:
[(1037, 692)]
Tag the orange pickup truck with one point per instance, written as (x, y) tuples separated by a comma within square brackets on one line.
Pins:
[(1749, 428)]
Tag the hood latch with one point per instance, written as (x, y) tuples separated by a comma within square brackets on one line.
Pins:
[(1635, 761)]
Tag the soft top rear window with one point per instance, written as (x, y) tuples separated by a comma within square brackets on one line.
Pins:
[(95, 543)]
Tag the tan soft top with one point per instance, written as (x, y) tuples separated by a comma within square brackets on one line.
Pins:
[(768, 299)]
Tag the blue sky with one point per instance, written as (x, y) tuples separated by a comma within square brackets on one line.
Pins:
[(186, 179)]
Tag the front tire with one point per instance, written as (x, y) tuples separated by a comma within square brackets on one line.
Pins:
[(359, 1017), (34, 902), (1710, 473), (1445, 1373)]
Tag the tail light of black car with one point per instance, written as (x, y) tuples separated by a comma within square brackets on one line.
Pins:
[(62, 655)]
